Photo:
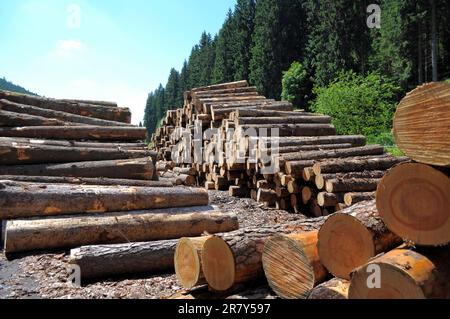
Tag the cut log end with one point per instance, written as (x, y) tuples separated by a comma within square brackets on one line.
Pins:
[(188, 263), (287, 268), (414, 201), (344, 244), (219, 275)]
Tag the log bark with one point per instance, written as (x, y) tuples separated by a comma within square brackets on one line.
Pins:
[(292, 265), (414, 201), (334, 289), (42, 154), (293, 129), (224, 110), (188, 261), (325, 199), (255, 113), (297, 119), (140, 169), (354, 198), (296, 168), (406, 274), (352, 185), (52, 200), (350, 238), (357, 165), (302, 148), (84, 181), (100, 133), (115, 228), (11, 119), (236, 257), (103, 261), (89, 110), (321, 179), (356, 141), (421, 124), (62, 116)]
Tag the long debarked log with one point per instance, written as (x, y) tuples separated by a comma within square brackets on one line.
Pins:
[(414, 201), (103, 261), (334, 289), (292, 266), (62, 116), (355, 164), (99, 133), (41, 154), (422, 124), (18, 200), (350, 238), (84, 181), (115, 228), (89, 110), (141, 169), (11, 119), (237, 257), (405, 274)]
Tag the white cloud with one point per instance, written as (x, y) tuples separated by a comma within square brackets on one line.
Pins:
[(68, 48)]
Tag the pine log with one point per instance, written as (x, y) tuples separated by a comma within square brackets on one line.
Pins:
[(93, 102), (321, 179), (334, 289), (350, 238), (266, 196), (41, 154), (222, 86), (204, 105), (296, 168), (102, 133), (224, 110), (61, 199), (237, 257), (231, 90), (303, 148), (354, 198), (210, 185), (356, 141), (84, 181), (62, 116), (97, 111), (405, 274), (255, 113), (103, 261), (291, 129), (115, 228), (11, 119), (422, 124), (238, 191), (357, 165), (141, 169), (325, 199), (188, 261), (298, 119), (414, 201), (292, 265), (352, 185)]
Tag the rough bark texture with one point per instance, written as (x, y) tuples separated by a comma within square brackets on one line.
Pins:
[(51, 200), (71, 143), (335, 289), (11, 119), (115, 228), (352, 185), (293, 119), (355, 164)]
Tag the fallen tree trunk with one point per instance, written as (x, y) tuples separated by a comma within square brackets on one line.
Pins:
[(10, 119), (62, 199), (292, 266), (51, 114), (414, 201), (102, 133), (141, 169), (237, 257), (334, 289), (42, 154), (406, 274), (350, 238), (89, 110), (352, 185), (357, 165), (421, 124), (84, 181), (103, 261), (115, 228)]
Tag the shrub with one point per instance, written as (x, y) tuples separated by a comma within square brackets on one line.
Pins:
[(358, 104), (296, 85)]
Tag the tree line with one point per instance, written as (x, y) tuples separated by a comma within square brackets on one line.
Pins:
[(9, 86), (263, 40)]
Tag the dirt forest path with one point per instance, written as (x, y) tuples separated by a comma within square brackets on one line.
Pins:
[(45, 275)]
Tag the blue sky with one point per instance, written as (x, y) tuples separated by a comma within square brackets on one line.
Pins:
[(101, 49)]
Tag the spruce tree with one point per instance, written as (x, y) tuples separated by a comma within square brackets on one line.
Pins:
[(244, 17), (224, 64)]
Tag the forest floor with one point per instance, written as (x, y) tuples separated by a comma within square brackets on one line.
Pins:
[(44, 275)]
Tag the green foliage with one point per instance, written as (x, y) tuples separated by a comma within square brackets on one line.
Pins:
[(224, 66), (296, 85), (358, 104), (9, 86), (172, 91)]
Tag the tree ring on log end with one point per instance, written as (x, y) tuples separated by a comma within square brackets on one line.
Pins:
[(344, 244), (414, 200), (187, 263), (287, 268), (218, 264)]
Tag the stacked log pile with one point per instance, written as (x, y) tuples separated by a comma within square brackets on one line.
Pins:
[(393, 247), (225, 134), (78, 174)]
